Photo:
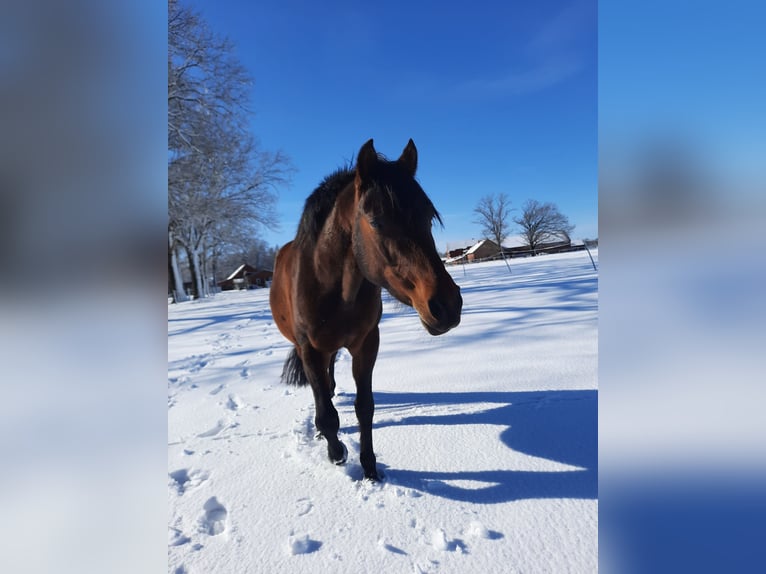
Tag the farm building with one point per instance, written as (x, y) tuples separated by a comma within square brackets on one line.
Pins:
[(486, 249), (482, 250), (246, 277)]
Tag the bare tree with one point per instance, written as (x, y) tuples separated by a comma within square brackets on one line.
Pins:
[(205, 81), (256, 253), (542, 223), (492, 213), (218, 177)]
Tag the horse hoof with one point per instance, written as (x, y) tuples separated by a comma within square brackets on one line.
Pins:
[(337, 459), (373, 476)]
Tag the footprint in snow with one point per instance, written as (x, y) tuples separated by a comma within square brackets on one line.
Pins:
[(213, 522), (213, 431), (383, 545), (178, 538), (235, 403), (477, 530), (185, 479), (302, 544), (440, 542), (304, 506), (197, 363)]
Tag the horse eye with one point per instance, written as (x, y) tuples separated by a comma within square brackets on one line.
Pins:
[(374, 222)]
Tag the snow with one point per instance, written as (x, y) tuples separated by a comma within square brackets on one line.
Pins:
[(486, 436)]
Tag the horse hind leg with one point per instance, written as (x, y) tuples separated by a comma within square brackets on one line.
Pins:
[(316, 367)]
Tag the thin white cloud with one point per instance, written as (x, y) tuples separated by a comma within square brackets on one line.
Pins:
[(521, 82), (564, 30), (553, 55)]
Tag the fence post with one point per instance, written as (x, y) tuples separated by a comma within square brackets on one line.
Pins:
[(589, 255)]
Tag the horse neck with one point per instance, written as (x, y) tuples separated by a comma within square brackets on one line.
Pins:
[(334, 262)]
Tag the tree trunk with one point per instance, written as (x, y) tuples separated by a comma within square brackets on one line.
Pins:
[(192, 261), (193, 248), (214, 269), (196, 270), (174, 273), (203, 271)]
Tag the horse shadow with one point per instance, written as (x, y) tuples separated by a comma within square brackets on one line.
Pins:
[(560, 426)]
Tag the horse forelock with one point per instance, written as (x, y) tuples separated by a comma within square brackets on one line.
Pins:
[(395, 186)]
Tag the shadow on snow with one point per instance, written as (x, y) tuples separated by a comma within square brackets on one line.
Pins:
[(560, 426)]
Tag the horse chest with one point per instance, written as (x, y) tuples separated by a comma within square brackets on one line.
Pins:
[(336, 323)]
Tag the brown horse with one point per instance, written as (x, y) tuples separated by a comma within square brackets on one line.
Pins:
[(362, 229)]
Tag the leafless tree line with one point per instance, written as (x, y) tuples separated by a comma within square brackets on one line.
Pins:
[(538, 223), (221, 184)]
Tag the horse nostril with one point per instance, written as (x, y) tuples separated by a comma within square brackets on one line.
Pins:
[(437, 310)]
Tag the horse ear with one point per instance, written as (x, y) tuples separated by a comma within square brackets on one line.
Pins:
[(366, 160), (409, 158)]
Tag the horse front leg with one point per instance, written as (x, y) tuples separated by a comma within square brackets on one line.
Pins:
[(363, 363), (315, 365), (332, 373)]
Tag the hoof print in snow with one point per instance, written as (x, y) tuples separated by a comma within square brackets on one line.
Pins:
[(305, 506), (178, 538), (184, 479), (383, 545), (213, 431), (477, 530), (302, 545), (213, 522), (234, 403), (440, 542)]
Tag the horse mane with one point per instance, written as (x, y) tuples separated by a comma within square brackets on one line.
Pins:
[(320, 203)]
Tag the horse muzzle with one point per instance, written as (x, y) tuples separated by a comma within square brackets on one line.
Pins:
[(443, 314)]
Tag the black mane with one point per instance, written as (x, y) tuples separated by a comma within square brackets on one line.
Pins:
[(320, 203), (403, 193)]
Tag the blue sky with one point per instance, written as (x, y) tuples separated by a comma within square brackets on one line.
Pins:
[(498, 97), (692, 73)]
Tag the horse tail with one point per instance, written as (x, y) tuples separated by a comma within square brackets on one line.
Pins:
[(292, 372)]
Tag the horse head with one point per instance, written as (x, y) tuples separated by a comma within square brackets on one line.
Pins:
[(392, 239)]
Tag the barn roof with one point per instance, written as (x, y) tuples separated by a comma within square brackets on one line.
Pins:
[(236, 272), (474, 247), (240, 271)]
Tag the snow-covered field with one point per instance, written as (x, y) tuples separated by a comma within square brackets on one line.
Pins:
[(487, 436)]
